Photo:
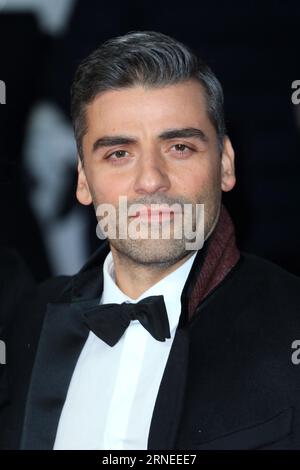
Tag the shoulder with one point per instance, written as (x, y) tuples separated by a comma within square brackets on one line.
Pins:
[(16, 282), (22, 299), (261, 297), (53, 288), (46, 292), (266, 277), (257, 299)]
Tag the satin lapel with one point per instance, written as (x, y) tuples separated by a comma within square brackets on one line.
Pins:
[(62, 338), (169, 402)]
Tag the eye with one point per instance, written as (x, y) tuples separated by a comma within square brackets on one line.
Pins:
[(117, 154), (182, 148)]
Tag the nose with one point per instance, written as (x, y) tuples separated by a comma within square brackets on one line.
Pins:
[(152, 175)]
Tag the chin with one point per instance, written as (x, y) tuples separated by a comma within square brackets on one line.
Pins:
[(151, 251)]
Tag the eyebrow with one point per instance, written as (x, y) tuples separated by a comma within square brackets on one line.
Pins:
[(109, 141)]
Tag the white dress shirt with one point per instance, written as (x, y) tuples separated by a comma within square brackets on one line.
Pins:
[(112, 393)]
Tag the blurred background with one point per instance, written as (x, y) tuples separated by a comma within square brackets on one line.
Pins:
[(253, 47)]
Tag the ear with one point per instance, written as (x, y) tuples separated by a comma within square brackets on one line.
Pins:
[(82, 191), (227, 166)]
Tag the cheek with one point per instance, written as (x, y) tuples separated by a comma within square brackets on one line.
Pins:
[(202, 180), (107, 190), (210, 175)]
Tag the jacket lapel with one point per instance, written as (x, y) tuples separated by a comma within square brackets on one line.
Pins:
[(170, 398), (62, 338)]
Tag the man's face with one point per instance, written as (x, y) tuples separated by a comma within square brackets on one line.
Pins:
[(135, 147)]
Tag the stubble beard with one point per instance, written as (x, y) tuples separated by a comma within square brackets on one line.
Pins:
[(166, 252)]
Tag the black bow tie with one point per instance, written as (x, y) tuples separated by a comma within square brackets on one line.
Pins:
[(109, 321)]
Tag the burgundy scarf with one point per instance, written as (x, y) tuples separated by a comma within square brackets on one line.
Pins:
[(222, 254)]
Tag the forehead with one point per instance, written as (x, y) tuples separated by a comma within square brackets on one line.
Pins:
[(139, 108)]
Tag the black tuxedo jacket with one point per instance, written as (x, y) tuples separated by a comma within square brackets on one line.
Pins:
[(229, 382)]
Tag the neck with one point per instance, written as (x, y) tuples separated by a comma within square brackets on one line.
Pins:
[(134, 278)]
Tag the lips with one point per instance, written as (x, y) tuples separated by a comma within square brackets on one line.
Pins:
[(160, 215)]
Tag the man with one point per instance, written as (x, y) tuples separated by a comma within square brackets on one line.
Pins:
[(154, 344)]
